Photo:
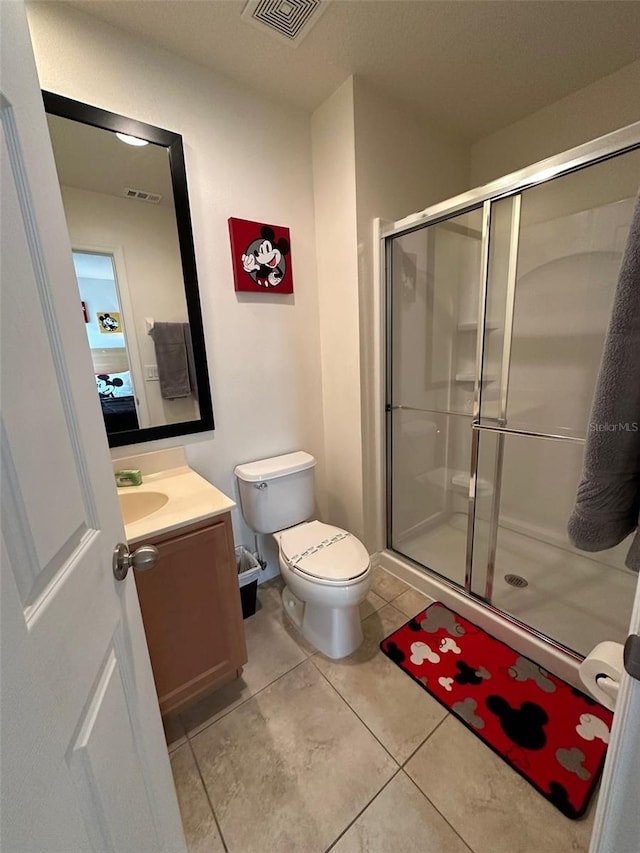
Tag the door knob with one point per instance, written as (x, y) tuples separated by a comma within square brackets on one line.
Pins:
[(142, 559)]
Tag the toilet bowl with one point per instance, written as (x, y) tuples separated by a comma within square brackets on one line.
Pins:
[(327, 575), (326, 570)]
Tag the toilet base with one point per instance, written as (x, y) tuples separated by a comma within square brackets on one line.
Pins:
[(334, 631), (293, 607)]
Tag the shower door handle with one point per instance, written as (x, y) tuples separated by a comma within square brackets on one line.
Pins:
[(510, 307), (514, 240)]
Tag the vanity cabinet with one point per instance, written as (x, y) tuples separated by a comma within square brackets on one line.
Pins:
[(191, 611)]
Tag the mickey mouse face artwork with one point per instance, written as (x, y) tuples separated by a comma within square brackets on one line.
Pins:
[(107, 386), (261, 257), (264, 259), (109, 321)]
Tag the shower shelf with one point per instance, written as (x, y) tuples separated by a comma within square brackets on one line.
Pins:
[(461, 480), (470, 378), (451, 478), (472, 327)]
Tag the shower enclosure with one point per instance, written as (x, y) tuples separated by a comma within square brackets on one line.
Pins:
[(497, 308)]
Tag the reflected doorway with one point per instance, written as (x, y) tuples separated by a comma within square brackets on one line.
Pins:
[(106, 334)]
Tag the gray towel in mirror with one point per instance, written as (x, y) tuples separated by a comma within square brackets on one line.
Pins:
[(608, 497), (172, 359)]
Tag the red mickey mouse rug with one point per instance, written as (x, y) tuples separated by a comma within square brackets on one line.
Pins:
[(549, 732)]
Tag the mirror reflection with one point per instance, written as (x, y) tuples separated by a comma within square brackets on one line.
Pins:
[(118, 198)]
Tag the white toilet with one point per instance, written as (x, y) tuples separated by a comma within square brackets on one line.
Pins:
[(326, 570)]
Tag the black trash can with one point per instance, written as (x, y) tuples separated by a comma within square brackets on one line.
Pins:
[(248, 572)]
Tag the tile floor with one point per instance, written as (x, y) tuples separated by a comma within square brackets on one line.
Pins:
[(304, 754)]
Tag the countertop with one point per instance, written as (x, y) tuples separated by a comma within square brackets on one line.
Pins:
[(191, 499)]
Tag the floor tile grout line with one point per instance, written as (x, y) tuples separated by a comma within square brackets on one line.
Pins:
[(399, 766), (226, 713), (363, 810), (413, 781), (437, 810), (308, 656), (206, 793), (355, 713), (434, 729), (175, 745), (351, 708), (408, 588), (244, 701)]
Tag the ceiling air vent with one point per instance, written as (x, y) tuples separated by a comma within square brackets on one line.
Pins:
[(141, 195), (287, 20)]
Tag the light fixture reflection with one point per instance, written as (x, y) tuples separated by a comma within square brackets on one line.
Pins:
[(131, 140)]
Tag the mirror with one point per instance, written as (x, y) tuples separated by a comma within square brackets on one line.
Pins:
[(124, 190)]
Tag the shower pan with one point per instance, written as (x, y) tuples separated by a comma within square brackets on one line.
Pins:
[(497, 306)]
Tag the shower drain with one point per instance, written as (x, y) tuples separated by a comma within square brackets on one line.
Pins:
[(516, 580)]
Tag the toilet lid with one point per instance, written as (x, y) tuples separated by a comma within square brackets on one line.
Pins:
[(324, 552)]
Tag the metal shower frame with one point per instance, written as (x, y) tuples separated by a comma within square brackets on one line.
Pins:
[(510, 186)]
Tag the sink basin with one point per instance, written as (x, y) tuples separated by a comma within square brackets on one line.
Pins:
[(137, 505)]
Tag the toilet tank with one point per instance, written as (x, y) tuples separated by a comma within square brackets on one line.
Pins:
[(276, 493)]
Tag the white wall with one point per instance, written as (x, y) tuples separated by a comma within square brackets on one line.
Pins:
[(299, 371), (336, 238), (403, 164), (245, 157), (371, 158), (403, 161), (605, 105)]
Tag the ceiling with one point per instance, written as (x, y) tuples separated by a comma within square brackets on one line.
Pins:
[(472, 66)]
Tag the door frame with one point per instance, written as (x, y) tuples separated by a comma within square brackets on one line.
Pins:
[(126, 306)]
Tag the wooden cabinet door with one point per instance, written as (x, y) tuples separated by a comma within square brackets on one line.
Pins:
[(192, 613)]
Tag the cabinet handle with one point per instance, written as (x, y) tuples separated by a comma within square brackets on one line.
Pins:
[(142, 559)]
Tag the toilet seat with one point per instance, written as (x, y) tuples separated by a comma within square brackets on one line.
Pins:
[(323, 553)]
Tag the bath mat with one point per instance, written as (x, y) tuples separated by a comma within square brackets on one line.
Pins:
[(553, 735)]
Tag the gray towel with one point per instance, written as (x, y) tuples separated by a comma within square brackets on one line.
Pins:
[(608, 498), (172, 360)]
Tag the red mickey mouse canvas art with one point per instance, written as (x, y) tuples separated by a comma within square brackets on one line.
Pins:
[(261, 257)]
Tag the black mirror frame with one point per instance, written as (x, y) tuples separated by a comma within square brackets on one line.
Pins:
[(86, 114)]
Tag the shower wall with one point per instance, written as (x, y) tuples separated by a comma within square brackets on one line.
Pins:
[(599, 108), (567, 271)]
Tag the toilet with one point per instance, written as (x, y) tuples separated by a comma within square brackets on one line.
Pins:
[(326, 570)]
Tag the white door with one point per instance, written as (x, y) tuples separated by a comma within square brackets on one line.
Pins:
[(83, 766), (617, 823)]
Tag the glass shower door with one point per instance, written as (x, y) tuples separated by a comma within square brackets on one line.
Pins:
[(433, 306), (555, 252)]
